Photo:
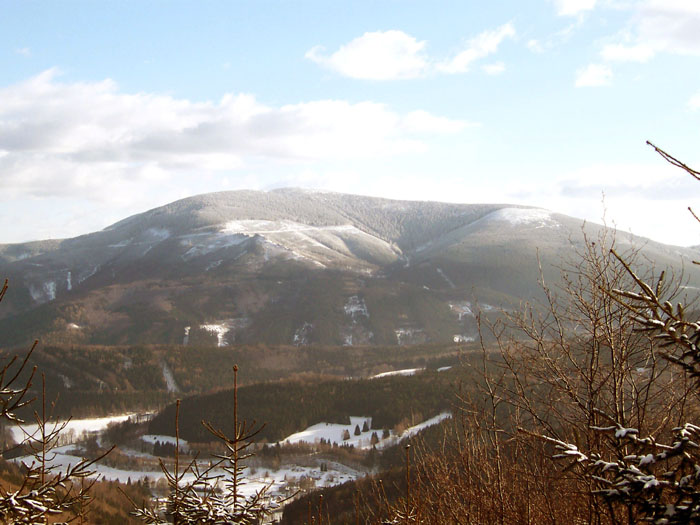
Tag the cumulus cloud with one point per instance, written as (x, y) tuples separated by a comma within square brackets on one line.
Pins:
[(535, 45), (630, 191), (91, 139), (594, 75), (555, 39), (622, 193), (627, 53), (395, 55), (481, 46), (573, 7), (494, 69), (379, 55), (658, 26)]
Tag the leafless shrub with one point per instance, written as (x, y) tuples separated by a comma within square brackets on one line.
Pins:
[(45, 490)]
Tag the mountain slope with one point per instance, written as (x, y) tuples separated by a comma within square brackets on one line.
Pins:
[(292, 267)]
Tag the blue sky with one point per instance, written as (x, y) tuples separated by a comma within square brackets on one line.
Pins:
[(112, 108)]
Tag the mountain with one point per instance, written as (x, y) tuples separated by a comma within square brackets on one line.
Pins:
[(292, 266)]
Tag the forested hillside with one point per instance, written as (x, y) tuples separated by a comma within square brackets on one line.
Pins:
[(292, 405), (99, 380)]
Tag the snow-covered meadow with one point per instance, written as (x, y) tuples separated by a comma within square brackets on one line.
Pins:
[(333, 433), (280, 481), (71, 428)]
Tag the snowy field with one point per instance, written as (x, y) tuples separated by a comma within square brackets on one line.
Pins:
[(282, 481), (75, 427), (333, 433), (154, 438), (278, 480)]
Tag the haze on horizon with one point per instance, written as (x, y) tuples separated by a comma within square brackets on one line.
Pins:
[(107, 110)]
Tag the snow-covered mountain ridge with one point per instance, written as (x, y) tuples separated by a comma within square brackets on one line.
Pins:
[(290, 259)]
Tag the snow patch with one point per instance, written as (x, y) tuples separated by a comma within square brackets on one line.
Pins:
[(404, 372), (537, 217), (405, 336), (69, 284), (317, 244), (89, 274), (66, 381), (222, 328), (47, 292), (302, 334), (356, 307), (158, 234), (73, 326), (461, 338), (50, 290), (443, 368), (165, 440), (212, 243), (219, 330), (462, 309), (465, 309), (213, 265), (262, 227), (447, 279), (120, 244), (170, 383), (412, 431), (186, 338)]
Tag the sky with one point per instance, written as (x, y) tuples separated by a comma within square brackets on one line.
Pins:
[(110, 108)]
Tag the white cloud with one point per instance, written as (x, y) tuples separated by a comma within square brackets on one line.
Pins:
[(627, 53), (481, 46), (535, 46), (555, 39), (421, 122), (573, 7), (622, 192), (24, 51), (593, 75), (658, 26), (494, 69), (630, 191), (394, 55), (379, 55), (92, 141)]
